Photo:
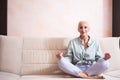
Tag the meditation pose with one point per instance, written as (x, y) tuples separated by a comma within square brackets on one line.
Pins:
[(84, 56)]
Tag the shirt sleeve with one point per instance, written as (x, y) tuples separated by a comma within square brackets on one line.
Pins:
[(98, 53), (69, 54)]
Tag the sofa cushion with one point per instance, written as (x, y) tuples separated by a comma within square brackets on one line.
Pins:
[(115, 73), (111, 45), (39, 55), (11, 49), (8, 76)]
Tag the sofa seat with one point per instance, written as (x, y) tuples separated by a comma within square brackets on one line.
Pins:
[(8, 76), (114, 73), (110, 75), (42, 77), (61, 77)]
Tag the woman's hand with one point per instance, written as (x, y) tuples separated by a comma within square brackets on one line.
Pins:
[(59, 55), (107, 56)]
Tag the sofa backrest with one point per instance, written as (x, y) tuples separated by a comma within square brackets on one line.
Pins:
[(37, 55)]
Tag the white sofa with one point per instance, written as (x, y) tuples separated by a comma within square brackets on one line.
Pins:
[(32, 58)]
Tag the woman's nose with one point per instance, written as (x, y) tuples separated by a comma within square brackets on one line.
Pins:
[(83, 29)]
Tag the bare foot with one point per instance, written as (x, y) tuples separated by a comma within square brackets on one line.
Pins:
[(59, 55), (82, 75), (85, 76), (68, 76), (94, 77)]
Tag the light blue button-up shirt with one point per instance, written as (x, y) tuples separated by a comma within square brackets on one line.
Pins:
[(78, 54)]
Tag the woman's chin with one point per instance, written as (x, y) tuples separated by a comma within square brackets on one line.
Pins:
[(84, 34)]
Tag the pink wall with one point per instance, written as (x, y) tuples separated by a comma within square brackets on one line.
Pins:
[(58, 18)]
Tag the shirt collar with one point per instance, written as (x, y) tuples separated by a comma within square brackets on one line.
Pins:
[(89, 42)]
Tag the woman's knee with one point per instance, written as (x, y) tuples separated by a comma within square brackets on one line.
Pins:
[(68, 67), (105, 64), (62, 63)]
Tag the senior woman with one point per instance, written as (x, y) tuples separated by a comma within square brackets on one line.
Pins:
[(84, 56)]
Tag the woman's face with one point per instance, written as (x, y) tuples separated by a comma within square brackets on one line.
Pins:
[(83, 28)]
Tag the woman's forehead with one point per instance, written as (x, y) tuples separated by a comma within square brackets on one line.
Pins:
[(83, 23)]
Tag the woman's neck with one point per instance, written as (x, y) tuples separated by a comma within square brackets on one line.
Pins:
[(84, 38)]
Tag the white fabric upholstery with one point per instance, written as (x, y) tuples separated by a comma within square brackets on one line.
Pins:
[(115, 73), (8, 76), (11, 49), (62, 77), (111, 45), (34, 58), (39, 54)]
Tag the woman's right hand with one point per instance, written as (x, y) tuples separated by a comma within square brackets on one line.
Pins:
[(59, 55)]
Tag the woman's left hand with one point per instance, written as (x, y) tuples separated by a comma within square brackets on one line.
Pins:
[(107, 56)]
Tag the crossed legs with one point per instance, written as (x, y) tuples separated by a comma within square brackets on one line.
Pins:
[(96, 69)]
